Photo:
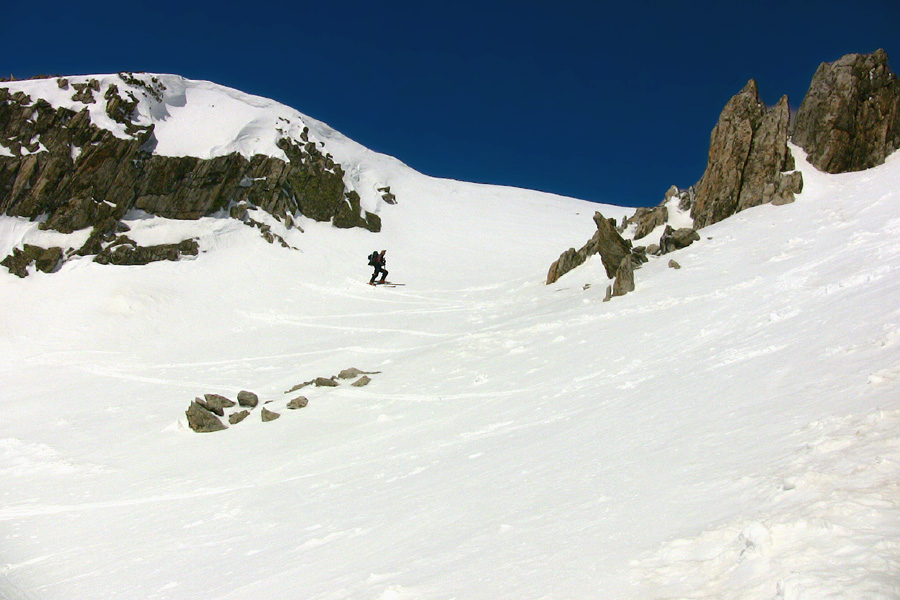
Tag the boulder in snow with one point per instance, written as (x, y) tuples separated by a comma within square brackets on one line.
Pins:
[(247, 399), (235, 418), (676, 239), (202, 420), (362, 381), (217, 403), (298, 402)]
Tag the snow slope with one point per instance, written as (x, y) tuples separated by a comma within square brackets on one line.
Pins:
[(728, 430)]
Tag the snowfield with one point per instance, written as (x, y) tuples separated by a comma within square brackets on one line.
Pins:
[(730, 429)]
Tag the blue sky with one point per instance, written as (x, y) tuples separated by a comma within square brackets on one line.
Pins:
[(612, 102)]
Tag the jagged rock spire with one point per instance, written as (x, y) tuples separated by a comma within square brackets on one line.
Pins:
[(850, 117), (748, 155)]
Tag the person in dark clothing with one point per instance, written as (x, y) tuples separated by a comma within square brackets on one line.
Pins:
[(378, 261)]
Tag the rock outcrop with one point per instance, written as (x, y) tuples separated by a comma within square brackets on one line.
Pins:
[(606, 242), (676, 239), (46, 260), (648, 219), (624, 282), (748, 157), (57, 165), (849, 119), (124, 251)]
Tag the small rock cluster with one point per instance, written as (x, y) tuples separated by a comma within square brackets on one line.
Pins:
[(205, 415)]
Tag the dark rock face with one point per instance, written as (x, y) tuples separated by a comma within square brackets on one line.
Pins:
[(80, 176), (125, 251), (850, 117), (606, 242), (748, 154), (44, 259), (387, 196)]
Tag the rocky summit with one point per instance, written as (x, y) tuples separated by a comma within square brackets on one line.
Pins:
[(85, 165)]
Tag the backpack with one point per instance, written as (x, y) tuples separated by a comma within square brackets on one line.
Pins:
[(372, 258)]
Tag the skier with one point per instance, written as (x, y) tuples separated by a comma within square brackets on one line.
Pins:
[(377, 260)]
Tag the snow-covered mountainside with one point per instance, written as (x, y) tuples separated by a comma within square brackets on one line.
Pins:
[(205, 120), (731, 429)]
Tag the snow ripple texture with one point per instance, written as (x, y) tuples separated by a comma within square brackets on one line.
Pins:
[(829, 524)]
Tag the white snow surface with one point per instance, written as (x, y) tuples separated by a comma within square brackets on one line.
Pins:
[(730, 429)]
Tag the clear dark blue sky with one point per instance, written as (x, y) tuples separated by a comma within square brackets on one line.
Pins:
[(612, 102)]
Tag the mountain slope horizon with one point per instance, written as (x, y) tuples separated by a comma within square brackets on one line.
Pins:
[(727, 430)]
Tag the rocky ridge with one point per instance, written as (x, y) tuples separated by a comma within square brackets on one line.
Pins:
[(59, 167), (849, 120)]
